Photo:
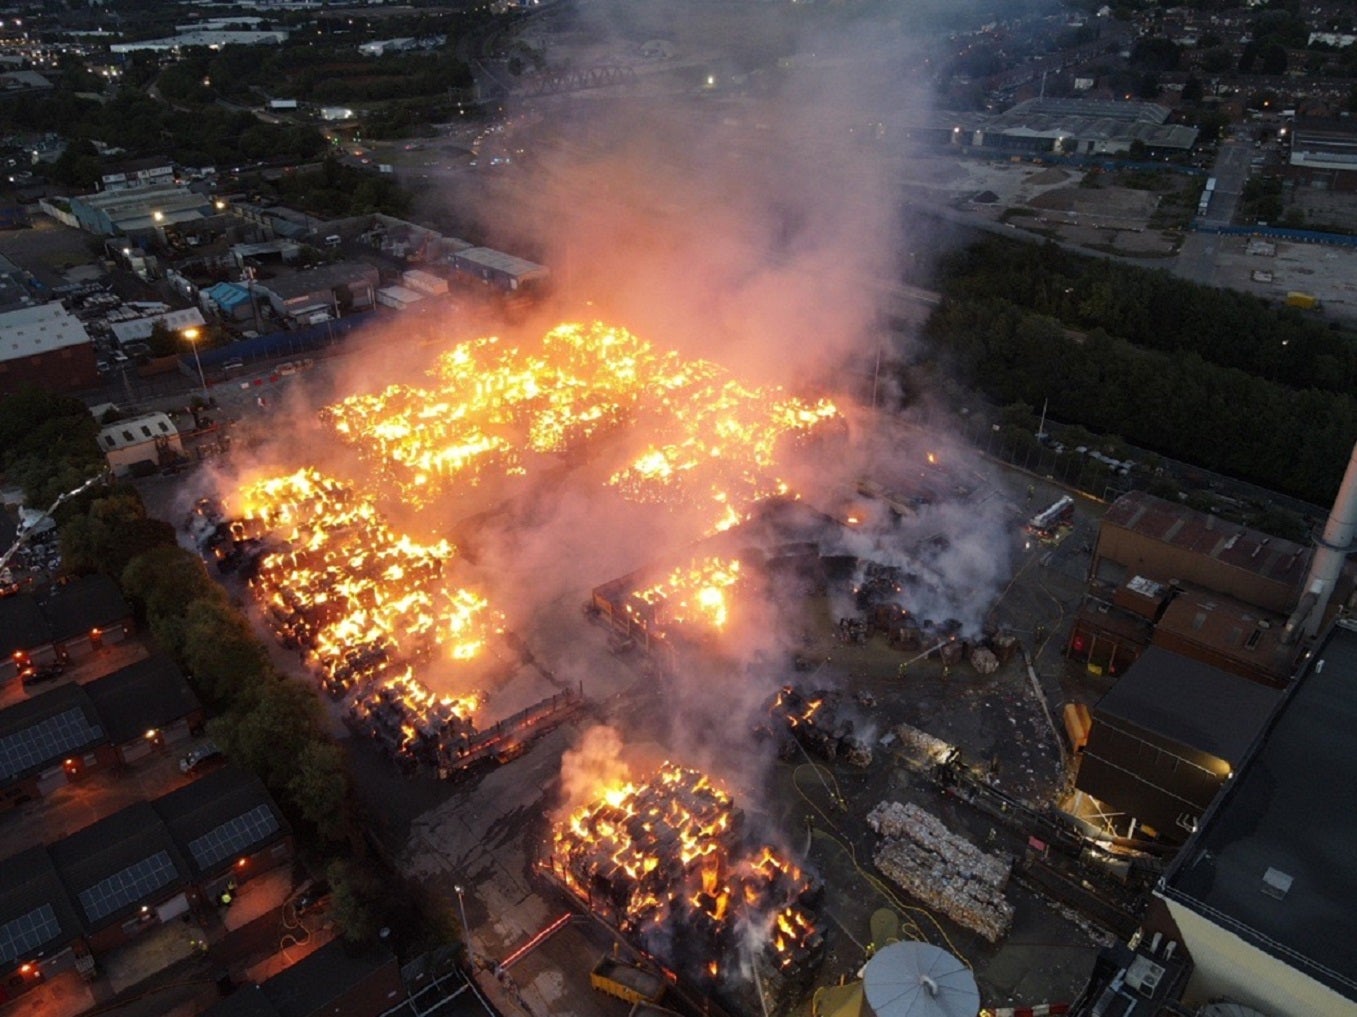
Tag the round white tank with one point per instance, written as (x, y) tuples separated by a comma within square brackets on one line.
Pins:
[(918, 980)]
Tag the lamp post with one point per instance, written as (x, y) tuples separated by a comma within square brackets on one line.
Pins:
[(191, 334), (466, 929)]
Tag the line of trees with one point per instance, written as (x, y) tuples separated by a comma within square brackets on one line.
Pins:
[(1210, 377), (267, 722)]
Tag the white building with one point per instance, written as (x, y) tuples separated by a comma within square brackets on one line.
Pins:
[(139, 329), (425, 282), (398, 297), (151, 437)]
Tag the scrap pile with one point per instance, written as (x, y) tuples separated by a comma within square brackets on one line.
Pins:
[(668, 864), (364, 607), (819, 720), (707, 442), (941, 869)]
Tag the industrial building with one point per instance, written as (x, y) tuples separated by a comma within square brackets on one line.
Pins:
[(1166, 738), (151, 437), (138, 173), (1165, 574), (139, 329), (1323, 154), (1262, 894), (326, 291), (1083, 127), (45, 346), (1144, 535), (495, 269), (149, 863), (230, 300), (69, 619), (60, 736), (139, 209)]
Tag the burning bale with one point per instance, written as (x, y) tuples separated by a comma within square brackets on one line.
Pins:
[(667, 862), (365, 608), (817, 720), (694, 601), (941, 869), (711, 444)]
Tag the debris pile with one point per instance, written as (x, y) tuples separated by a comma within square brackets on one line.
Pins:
[(819, 720), (668, 863), (941, 869)]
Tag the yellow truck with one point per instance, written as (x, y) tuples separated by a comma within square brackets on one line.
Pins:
[(628, 982), (1305, 301)]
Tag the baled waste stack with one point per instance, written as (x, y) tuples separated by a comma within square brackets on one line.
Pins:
[(941, 869)]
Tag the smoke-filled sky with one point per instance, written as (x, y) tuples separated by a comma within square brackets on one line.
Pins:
[(751, 222)]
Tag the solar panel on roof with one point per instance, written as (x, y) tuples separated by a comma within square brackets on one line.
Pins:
[(24, 933), (127, 886), (233, 836), (46, 740)]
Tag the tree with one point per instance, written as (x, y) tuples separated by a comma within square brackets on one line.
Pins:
[(163, 583), (357, 901), (220, 652), (110, 533), (77, 166), (269, 727), (48, 444), (319, 790)]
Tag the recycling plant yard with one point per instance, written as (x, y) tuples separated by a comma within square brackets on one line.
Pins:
[(813, 721)]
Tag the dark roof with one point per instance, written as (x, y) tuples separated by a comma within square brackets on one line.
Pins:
[(1191, 703), (41, 731), (35, 913), (118, 864), (22, 626), (220, 817), (149, 694), (247, 1001), (322, 278), (79, 605), (1272, 861), (323, 976)]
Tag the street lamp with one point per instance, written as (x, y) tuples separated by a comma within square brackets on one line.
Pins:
[(466, 929), (191, 334)]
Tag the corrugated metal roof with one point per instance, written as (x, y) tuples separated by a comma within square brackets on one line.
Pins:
[(30, 331), (1273, 558)]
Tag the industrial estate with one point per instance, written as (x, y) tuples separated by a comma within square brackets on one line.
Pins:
[(594, 509)]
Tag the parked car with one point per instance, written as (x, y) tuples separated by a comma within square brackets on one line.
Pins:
[(37, 675), (202, 757)]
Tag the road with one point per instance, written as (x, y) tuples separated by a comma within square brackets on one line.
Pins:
[(1197, 258)]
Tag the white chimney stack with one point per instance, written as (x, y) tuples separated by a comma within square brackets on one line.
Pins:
[(1332, 549)]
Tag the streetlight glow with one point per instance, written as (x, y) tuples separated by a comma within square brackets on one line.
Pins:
[(191, 334), (466, 929)]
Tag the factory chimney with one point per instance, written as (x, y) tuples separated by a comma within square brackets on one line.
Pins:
[(1331, 551)]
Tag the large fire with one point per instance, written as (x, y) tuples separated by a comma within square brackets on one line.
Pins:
[(375, 612), (710, 443), (363, 604), (667, 862), (695, 595)]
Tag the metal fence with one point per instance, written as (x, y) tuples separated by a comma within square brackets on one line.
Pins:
[(279, 344), (1278, 233)]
